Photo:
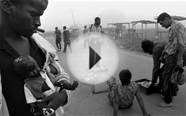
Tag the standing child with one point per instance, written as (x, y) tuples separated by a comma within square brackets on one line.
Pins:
[(121, 96)]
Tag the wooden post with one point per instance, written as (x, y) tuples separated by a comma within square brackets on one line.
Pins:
[(142, 30), (129, 30), (145, 30)]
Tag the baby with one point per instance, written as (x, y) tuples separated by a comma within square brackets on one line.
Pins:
[(37, 85)]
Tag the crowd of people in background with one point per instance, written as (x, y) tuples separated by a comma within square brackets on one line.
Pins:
[(66, 39)]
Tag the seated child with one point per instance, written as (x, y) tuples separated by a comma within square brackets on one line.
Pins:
[(36, 86), (122, 95)]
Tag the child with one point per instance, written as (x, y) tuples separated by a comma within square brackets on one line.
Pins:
[(122, 95), (37, 85)]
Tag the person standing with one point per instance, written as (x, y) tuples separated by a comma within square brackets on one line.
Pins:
[(85, 29), (172, 55), (66, 38), (96, 27), (95, 44), (58, 38)]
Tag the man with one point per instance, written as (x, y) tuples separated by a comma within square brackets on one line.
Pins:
[(58, 38), (154, 49), (66, 38), (19, 20), (172, 55), (96, 44), (96, 27)]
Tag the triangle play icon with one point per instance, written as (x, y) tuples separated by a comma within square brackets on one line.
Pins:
[(93, 57)]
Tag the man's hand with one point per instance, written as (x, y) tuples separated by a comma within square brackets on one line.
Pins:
[(56, 100)]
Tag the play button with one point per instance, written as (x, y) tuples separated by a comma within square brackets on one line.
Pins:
[(94, 58)]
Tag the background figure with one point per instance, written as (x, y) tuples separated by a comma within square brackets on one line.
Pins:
[(58, 38), (96, 44), (85, 29), (121, 96), (172, 55), (96, 27), (66, 39)]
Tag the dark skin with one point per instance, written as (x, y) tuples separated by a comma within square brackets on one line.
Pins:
[(97, 22), (19, 22), (26, 21)]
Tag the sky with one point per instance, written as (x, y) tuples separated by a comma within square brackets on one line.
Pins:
[(80, 13)]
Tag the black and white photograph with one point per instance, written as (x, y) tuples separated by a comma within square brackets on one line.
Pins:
[(92, 57)]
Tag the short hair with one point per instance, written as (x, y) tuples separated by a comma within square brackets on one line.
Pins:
[(146, 45), (97, 18), (125, 77), (64, 27), (163, 16)]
